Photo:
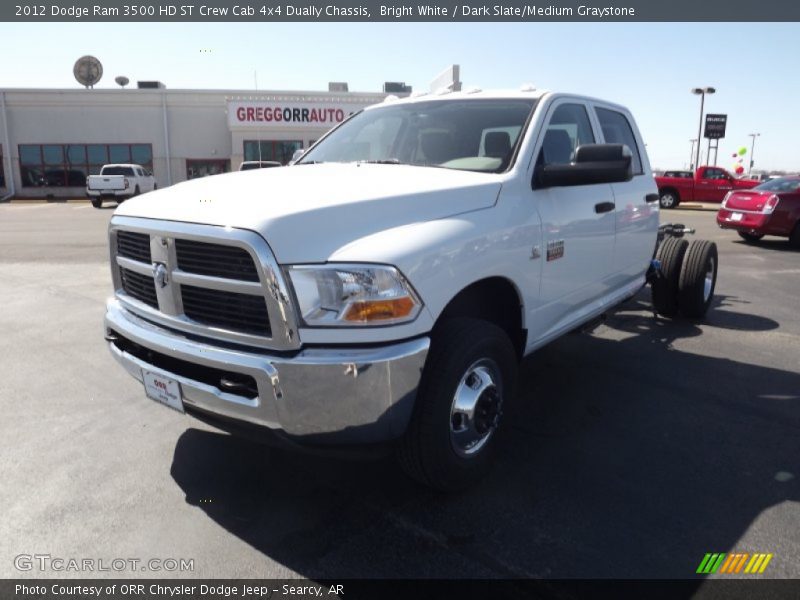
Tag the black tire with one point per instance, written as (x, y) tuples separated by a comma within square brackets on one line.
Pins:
[(750, 238), (136, 191), (698, 278), (430, 451), (665, 286), (97, 202), (155, 187), (668, 199), (794, 237)]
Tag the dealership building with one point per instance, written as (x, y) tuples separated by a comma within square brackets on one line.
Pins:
[(52, 139)]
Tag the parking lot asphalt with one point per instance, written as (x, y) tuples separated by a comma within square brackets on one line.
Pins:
[(631, 450)]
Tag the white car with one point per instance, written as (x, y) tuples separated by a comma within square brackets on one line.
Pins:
[(386, 292), (119, 182)]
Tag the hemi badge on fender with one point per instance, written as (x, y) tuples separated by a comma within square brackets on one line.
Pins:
[(555, 250)]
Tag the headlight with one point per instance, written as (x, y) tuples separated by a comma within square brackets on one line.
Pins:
[(352, 295)]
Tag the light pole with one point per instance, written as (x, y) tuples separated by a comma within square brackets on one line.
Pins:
[(702, 93), (691, 152), (752, 151)]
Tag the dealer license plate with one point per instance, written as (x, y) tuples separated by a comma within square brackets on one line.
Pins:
[(736, 216), (163, 389)]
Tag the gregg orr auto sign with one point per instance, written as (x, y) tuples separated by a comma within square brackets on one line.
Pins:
[(288, 114)]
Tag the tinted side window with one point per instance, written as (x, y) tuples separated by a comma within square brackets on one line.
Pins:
[(714, 174), (569, 127), (617, 130)]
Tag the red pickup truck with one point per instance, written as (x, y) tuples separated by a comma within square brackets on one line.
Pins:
[(710, 184)]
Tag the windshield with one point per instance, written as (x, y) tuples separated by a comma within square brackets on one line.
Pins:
[(784, 184), (471, 135), (117, 171), (254, 164)]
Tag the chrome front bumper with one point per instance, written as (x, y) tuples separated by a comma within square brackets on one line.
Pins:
[(322, 395)]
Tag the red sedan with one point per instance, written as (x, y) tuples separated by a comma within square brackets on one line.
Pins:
[(772, 208)]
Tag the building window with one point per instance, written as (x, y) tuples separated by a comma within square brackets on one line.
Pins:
[(203, 168), (280, 151), (68, 165)]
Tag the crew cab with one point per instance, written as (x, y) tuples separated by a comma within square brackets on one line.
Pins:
[(709, 184), (772, 208), (119, 182), (384, 293)]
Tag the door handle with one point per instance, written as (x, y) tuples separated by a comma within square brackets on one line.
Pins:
[(604, 207), (651, 198)]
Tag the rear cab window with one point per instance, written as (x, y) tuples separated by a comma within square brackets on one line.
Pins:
[(127, 171), (617, 130)]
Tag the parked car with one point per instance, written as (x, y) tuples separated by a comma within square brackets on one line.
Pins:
[(772, 208), (384, 296), (119, 182), (707, 184), (258, 164)]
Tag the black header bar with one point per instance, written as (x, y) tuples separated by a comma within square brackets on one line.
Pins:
[(521, 11)]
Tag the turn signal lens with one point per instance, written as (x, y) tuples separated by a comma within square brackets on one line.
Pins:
[(379, 310)]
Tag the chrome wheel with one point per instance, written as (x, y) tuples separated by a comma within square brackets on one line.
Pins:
[(668, 200), (476, 408), (708, 282)]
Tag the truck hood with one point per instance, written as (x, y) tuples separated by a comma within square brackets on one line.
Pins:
[(307, 212)]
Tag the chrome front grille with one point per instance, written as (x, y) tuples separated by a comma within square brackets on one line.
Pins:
[(215, 282)]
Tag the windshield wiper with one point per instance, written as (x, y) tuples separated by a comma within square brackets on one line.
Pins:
[(384, 161)]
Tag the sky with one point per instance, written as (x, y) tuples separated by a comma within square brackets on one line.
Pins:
[(648, 67)]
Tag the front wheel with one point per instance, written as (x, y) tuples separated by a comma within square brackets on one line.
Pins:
[(468, 379), (750, 238), (668, 199), (698, 278)]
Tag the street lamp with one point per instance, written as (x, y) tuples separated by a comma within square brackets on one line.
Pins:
[(702, 93), (691, 151), (752, 150)]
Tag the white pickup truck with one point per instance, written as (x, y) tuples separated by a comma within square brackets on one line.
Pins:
[(384, 293), (119, 182)]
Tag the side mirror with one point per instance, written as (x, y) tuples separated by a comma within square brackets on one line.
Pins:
[(593, 163), (297, 154)]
